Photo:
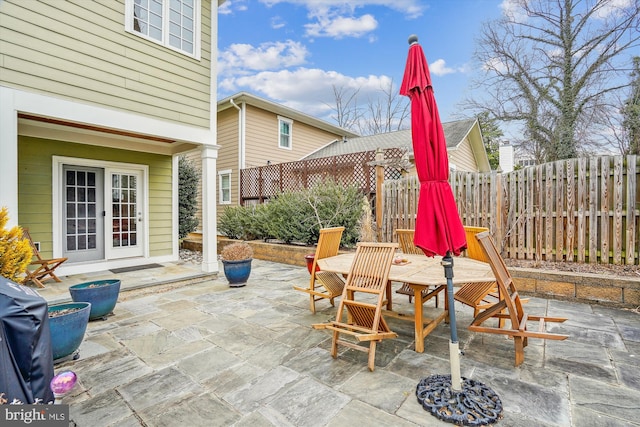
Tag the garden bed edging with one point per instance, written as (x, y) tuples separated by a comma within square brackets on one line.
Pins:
[(578, 287)]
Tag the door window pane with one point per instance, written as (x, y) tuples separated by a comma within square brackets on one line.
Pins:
[(124, 210)]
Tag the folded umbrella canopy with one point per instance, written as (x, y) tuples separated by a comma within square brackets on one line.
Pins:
[(439, 231), (438, 226)]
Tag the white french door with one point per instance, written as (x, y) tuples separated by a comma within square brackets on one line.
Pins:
[(124, 217), (101, 209), (83, 213)]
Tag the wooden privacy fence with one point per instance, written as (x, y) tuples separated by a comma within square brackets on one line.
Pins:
[(581, 210)]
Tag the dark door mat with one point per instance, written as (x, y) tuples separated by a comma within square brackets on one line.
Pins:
[(135, 268)]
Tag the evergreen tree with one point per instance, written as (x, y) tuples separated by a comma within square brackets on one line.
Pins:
[(491, 134), (189, 179), (15, 251)]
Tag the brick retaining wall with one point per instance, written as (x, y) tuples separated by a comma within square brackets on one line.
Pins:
[(579, 287)]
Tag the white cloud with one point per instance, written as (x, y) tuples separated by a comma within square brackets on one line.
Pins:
[(495, 64), (305, 89), (338, 18), (613, 7), (277, 22), (411, 8), (513, 10), (230, 6), (240, 58), (331, 25), (439, 68)]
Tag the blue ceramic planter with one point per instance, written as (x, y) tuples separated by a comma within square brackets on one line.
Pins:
[(102, 294), (237, 272), (67, 330)]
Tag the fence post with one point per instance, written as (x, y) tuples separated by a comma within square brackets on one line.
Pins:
[(499, 232), (379, 181)]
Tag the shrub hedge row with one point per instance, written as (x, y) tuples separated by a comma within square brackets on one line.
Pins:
[(297, 216)]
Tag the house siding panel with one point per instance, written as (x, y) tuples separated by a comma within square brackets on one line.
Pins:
[(463, 157), (69, 50), (228, 154), (262, 139), (35, 175)]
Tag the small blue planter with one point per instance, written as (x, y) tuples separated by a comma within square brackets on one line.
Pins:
[(67, 330), (102, 294), (237, 272)]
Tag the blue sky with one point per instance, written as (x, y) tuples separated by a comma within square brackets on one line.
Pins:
[(295, 51)]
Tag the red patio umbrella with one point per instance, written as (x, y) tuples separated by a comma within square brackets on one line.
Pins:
[(439, 231), (438, 226)]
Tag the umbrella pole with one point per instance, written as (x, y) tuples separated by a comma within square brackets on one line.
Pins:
[(454, 347), (450, 397)]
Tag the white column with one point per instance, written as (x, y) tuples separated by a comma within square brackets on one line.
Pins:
[(209, 154), (9, 154), (209, 211)]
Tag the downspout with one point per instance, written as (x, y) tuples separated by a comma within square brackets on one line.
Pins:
[(241, 140)]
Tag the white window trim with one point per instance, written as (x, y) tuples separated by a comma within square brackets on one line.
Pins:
[(197, 30), (220, 193), (290, 122)]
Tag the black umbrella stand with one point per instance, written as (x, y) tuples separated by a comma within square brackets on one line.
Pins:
[(451, 398)]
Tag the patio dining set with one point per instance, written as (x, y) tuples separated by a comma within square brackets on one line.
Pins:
[(363, 281)]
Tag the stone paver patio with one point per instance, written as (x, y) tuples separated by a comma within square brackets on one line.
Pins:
[(205, 354)]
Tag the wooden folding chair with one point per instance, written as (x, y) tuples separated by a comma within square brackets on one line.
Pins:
[(40, 269), (479, 296), (367, 280), (509, 307), (324, 284), (405, 239)]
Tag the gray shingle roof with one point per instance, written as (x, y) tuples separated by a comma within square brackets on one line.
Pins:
[(454, 133)]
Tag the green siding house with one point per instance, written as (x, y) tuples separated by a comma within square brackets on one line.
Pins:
[(97, 102)]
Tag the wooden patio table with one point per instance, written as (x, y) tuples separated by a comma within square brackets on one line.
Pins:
[(420, 273)]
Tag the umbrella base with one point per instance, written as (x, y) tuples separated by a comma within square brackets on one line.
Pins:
[(474, 405)]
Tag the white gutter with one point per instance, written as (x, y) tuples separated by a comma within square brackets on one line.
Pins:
[(241, 140)]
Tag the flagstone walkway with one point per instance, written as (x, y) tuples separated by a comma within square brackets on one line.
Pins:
[(205, 354)]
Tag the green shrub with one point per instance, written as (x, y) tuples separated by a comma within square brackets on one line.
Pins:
[(289, 218), (231, 222), (298, 216), (189, 178), (257, 222), (336, 205)]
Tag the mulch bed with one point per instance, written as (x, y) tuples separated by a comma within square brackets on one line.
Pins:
[(574, 267)]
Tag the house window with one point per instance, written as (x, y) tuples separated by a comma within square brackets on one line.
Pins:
[(172, 23), (284, 133), (224, 180), (526, 162)]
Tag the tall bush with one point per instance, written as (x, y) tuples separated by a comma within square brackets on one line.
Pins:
[(336, 205), (244, 222), (298, 216), (188, 181), (15, 251), (289, 218)]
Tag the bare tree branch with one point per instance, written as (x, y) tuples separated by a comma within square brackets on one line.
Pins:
[(554, 67)]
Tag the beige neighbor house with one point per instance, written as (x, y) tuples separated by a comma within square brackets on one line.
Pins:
[(465, 146), (97, 101), (253, 131)]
